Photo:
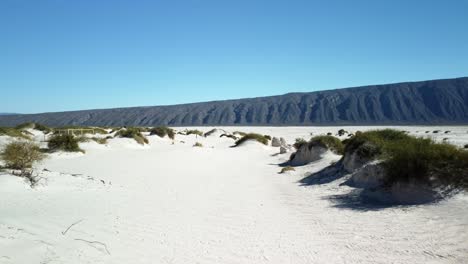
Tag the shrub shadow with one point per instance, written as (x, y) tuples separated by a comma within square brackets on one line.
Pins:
[(361, 200), (324, 176)]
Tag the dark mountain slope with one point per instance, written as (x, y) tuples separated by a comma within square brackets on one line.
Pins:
[(427, 102)]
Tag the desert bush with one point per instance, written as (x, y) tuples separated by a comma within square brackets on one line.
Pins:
[(64, 142), (35, 126), (329, 133), (436, 131), (240, 133), (194, 132), (299, 143), (21, 155), (267, 137), (132, 132), (210, 132), (329, 142), (81, 130), (466, 146), (371, 143), (229, 136), (163, 131), (252, 136), (13, 132), (101, 141), (411, 159), (286, 169), (423, 160), (341, 132), (198, 144)]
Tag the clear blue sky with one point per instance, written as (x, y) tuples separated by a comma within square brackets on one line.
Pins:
[(69, 55)]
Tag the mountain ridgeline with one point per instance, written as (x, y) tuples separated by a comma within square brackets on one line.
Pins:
[(428, 102)]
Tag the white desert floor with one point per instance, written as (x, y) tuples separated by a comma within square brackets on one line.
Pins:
[(164, 203)]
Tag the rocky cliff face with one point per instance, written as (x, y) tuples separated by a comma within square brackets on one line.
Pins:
[(427, 102)]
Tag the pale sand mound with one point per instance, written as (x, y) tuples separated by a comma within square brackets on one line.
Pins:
[(166, 203)]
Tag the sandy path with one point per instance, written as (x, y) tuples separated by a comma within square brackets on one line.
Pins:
[(179, 204)]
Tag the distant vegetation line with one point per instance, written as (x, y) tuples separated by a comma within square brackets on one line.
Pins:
[(425, 103)]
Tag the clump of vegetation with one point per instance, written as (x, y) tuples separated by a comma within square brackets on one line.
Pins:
[(229, 136), (329, 133), (466, 146), (371, 143), (299, 143), (341, 132), (411, 159), (240, 133), (13, 132), (198, 144), (194, 132), (64, 142), (133, 132), (253, 136), (21, 155), (98, 140), (80, 130), (163, 131), (35, 126), (329, 142), (286, 169), (436, 131)]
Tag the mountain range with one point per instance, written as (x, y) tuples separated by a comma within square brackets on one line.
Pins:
[(431, 102)]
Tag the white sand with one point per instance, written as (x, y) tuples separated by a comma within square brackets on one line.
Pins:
[(166, 203)]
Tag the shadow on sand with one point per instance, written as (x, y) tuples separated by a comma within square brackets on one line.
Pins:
[(355, 199)]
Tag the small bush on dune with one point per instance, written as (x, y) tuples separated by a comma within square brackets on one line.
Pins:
[(35, 126), (13, 132), (101, 141), (21, 155), (198, 144), (377, 138), (423, 160), (466, 146), (329, 142), (133, 132), (64, 142), (81, 130), (240, 133), (286, 169), (163, 131), (299, 143), (194, 132), (411, 159), (253, 136), (342, 132)]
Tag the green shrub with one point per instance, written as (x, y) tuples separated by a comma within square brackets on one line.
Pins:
[(286, 169), (35, 126), (411, 159), (198, 144), (13, 132), (80, 130), (240, 133), (299, 143), (133, 132), (163, 131), (194, 132), (64, 142), (98, 140), (341, 132), (329, 142), (372, 143), (21, 155), (253, 136), (423, 160)]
